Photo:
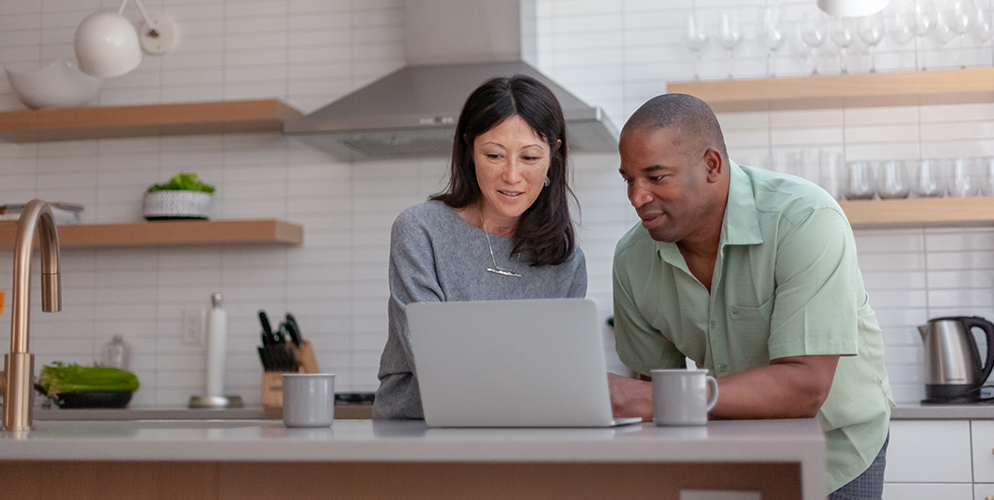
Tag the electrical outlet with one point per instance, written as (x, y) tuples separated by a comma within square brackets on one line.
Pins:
[(192, 326)]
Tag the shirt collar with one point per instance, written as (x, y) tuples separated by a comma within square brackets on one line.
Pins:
[(741, 222)]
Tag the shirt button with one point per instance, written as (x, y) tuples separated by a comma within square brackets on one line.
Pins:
[(723, 367), (714, 323)]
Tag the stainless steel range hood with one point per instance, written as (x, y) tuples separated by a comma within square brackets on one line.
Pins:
[(452, 46)]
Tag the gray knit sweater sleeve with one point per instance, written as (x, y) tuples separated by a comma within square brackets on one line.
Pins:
[(435, 255)]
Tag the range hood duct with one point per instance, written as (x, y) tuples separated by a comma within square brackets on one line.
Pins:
[(452, 46)]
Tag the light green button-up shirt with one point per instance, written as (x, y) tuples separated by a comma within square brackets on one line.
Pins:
[(786, 283)]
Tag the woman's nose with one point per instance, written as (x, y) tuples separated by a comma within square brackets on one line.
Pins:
[(512, 171)]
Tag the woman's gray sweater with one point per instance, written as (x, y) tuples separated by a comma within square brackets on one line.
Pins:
[(435, 255)]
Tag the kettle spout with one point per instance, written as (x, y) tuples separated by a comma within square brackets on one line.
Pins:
[(922, 331)]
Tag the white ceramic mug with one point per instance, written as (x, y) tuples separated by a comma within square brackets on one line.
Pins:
[(680, 397), (308, 399)]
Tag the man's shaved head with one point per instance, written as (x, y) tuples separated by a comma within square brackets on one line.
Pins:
[(695, 123)]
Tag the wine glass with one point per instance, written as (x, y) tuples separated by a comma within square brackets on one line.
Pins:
[(843, 33), (871, 32), (923, 20), (830, 174), (943, 32), (813, 31), (729, 36), (961, 16), (772, 33), (983, 29), (697, 38)]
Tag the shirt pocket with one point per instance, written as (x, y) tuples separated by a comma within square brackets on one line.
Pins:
[(751, 321)]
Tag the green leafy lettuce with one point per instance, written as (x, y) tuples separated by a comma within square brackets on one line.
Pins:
[(59, 377), (182, 182)]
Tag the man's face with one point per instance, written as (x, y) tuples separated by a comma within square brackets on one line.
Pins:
[(667, 184)]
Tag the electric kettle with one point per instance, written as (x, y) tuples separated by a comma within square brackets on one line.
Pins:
[(953, 371)]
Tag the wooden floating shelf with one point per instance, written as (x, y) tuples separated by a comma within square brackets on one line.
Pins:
[(71, 124), (841, 91), (920, 212), (169, 233)]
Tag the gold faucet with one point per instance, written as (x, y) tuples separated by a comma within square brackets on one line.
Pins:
[(19, 363)]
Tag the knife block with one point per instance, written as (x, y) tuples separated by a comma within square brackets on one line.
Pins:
[(272, 382)]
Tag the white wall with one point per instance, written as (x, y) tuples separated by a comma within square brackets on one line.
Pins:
[(612, 53)]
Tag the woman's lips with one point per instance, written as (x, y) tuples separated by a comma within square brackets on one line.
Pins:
[(511, 194)]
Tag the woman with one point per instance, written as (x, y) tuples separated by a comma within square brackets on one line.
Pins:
[(501, 229)]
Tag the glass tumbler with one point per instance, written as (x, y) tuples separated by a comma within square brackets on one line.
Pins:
[(892, 181), (963, 181), (928, 179), (985, 171), (860, 182), (831, 174)]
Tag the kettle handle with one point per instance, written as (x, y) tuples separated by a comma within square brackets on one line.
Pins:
[(988, 328)]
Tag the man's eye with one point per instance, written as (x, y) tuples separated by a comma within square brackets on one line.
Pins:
[(656, 178), (628, 181)]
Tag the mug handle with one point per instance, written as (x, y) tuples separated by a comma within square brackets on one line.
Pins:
[(713, 386)]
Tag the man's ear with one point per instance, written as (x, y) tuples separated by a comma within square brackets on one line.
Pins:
[(714, 164)]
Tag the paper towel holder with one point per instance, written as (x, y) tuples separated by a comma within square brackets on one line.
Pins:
[(208, 399)]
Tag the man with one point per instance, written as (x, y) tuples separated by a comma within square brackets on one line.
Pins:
[(752, 275)]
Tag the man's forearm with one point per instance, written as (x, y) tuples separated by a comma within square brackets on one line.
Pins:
[(787, 388)]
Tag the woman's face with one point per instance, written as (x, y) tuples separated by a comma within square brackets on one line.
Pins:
[(511, 164)]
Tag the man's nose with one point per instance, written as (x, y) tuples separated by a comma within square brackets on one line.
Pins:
[(638, 195)]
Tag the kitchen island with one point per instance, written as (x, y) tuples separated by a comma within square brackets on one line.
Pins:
[(248, 459)]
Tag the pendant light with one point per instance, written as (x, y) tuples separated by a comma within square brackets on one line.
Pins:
[(107, 44), (851, 8)]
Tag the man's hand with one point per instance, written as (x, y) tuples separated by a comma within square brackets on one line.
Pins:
[(629, 397)]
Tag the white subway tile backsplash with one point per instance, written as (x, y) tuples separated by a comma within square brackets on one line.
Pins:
[(614, 54)]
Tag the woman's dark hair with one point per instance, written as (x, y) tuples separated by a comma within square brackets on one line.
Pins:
[(545, 230)]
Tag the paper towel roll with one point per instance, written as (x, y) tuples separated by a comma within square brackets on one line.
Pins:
[(216, 347)]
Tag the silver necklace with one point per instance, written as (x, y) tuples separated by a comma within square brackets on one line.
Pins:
[(497, 269)]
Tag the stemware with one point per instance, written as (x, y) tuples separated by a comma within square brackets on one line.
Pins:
[(943, 32), (893, 180), (729, 36), (772, 33), (961, 16), (923, 20), (843, 34), (697, 38), (983, 28), (871, 32), (813, 30), (900, 27)]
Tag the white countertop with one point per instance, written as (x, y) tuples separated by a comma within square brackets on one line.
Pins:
[(365, 440), (751, 441), (979, 411)]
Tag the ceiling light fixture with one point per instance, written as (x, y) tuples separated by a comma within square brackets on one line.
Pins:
[(107, 44), (851, 8)]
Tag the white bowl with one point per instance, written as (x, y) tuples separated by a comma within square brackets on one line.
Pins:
[(59, 85)]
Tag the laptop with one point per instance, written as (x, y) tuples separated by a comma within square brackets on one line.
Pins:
[(511, 363)]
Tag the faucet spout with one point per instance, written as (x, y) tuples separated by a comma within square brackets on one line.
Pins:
[(19, 363)]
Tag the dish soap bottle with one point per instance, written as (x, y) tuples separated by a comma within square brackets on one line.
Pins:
[(116, 353)]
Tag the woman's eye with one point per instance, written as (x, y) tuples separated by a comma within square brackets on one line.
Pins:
[(493, 156), (531, 158)]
